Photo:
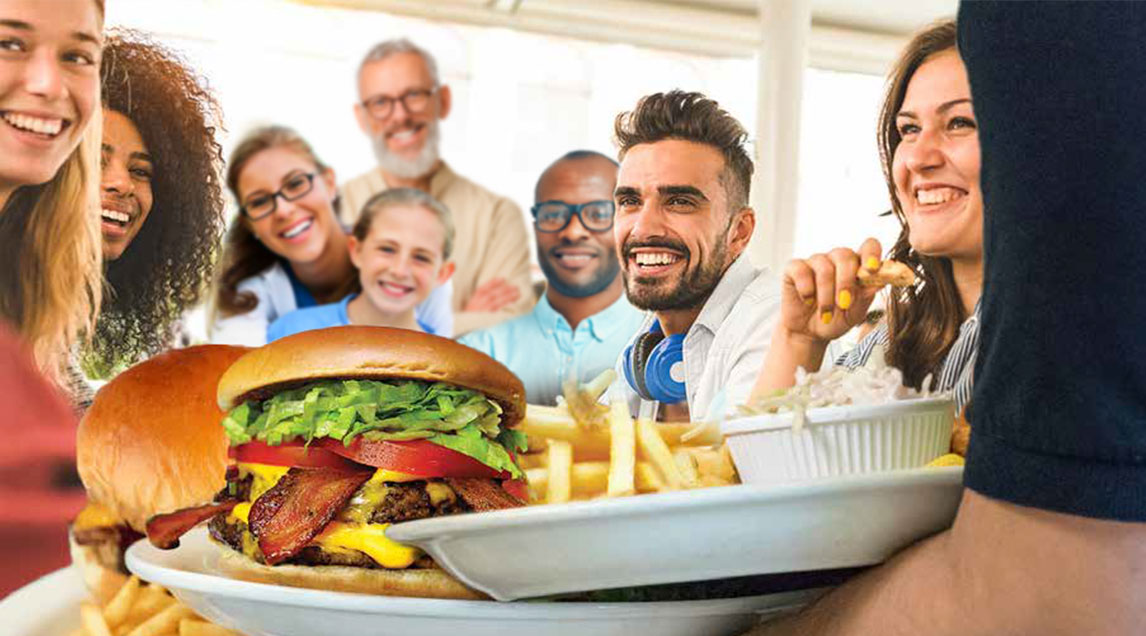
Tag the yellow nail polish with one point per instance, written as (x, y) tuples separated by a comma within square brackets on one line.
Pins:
[(845, 299), (872, 263), (826, 318), (808, 302)]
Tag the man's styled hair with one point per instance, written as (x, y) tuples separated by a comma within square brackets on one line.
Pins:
[(691, 117), (385, 49), (410, 197)]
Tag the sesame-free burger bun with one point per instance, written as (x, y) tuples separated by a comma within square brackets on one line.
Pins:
[(152, 441), (376, 353), (410, 582)]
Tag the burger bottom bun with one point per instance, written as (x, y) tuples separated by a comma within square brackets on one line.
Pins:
[(93, 563), (412, 582)]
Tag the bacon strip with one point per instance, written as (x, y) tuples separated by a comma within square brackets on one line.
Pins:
[(164, 530), (484, 494), (293, 512)]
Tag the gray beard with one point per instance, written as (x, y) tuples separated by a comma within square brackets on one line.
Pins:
[(420, 166)]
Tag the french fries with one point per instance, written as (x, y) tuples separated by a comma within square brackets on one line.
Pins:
[(560, 487), (622, 451), (582, 449), (139, 609)]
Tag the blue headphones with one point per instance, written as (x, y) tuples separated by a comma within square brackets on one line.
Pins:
[(654, 366)]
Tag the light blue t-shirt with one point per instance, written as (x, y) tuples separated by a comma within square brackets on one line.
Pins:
[(542, 350), (317, 317)]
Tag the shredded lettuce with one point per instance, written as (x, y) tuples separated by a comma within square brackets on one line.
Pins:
[(459, 419)]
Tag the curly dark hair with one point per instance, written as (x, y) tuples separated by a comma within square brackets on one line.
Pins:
[(169, 265)]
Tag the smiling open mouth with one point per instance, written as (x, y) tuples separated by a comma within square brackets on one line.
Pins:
[(394, 289), (47, 128), (297, 229), (654, 262), (937, 196), (115, 217)]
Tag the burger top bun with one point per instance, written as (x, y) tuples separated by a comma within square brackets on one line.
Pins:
[(152, 440), (370, 353)]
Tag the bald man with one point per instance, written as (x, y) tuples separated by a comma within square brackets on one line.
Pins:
[(584, 320)]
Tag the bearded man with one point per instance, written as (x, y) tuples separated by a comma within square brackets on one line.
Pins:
[(402, 101), (583, 321), (682, 226)]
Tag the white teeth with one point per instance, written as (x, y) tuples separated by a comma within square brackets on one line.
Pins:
[(404, 135), (937, 195), (656, 258), (34, 124), (114, 215), (298, 229), (574, 259)]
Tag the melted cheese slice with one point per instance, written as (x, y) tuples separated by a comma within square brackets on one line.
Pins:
[(370, 538), (95, 516)]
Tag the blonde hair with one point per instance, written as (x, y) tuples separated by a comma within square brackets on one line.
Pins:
[(52, 295), (406, 196)]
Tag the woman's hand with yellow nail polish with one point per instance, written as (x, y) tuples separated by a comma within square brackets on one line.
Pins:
[(821, 298)]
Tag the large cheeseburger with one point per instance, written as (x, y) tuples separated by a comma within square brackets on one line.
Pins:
[(338, 433)]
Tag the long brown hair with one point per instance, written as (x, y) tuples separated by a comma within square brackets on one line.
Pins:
[(243, 255), (924, 320)]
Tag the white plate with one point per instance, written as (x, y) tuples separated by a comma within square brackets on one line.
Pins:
[(49, 606), (702, 534), (191, 573)]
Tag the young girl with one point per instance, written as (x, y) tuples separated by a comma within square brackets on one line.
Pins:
[(286, 249), (401, 247)]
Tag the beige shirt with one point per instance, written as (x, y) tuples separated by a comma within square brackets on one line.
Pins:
[(491, 240)]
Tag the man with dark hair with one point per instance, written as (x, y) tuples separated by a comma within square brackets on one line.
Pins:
[(583, 321), (683, 223)]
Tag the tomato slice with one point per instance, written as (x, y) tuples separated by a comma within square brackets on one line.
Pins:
[(516, 487), (289, 454), (413, 457)]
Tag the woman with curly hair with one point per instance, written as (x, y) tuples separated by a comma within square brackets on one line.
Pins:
[(929, 144), (49, 242), (160, 194)]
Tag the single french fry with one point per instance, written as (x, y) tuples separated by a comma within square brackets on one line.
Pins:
[(93, 620), (622, 451), (537, 479), (655, 450), (195, 627), (551, 422), (149, 602), (686, 464), (714, 465), (117, 608), (165, 621), (559, 487), (595, 387), (585, 409), (648, 479)]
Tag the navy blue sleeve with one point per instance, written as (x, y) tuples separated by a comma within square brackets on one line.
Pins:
[(1059, 409)]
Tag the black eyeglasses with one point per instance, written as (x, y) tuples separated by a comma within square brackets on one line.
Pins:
[(554, 216), (296, 187), (414, 101)]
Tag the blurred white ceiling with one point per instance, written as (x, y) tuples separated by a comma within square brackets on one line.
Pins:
[(852, 35)]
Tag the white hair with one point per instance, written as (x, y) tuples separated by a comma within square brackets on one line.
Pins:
[(383, 50)]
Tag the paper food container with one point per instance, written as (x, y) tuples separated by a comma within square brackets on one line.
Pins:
[(840, 440)]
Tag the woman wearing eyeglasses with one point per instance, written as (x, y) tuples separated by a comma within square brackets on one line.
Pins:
[(286, 249)]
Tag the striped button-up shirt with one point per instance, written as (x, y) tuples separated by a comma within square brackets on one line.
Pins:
[(956, 374)]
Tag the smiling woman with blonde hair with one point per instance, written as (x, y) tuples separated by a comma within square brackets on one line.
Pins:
[(49, 171)]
